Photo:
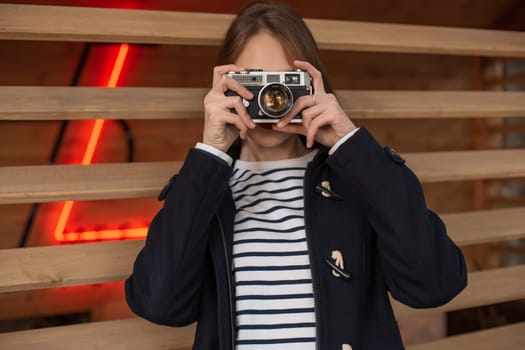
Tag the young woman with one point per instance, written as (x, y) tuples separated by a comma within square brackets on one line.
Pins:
[(282, 244)]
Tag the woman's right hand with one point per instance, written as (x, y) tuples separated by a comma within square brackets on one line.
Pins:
[(221, 126)]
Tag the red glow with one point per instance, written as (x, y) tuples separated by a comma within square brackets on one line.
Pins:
[(119, 63), (93, 141), (105, 235), (62, 220), (112, 234)]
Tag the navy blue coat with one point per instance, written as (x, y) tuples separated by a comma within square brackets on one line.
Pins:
[(375, 215)]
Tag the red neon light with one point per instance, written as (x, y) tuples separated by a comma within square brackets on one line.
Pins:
[(125, 233)]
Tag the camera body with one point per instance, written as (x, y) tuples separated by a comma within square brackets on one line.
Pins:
[(274, 92)]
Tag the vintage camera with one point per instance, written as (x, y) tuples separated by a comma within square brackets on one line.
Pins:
[(274, 92)]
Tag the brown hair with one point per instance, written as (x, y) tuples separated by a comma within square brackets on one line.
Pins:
[(279, 20)]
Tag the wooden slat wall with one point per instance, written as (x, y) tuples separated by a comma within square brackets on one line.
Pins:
[(140, 335), (60, 301), (52, 103), (157, 27), (59, 266), (122, 334), (45, 267), (502, 338), (465, 228), (48, 183)]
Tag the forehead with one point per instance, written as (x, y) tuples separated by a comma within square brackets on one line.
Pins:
[(264, 51)]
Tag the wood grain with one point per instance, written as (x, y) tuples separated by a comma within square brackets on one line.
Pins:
[(59, 103), (33, 22), (511, 337), (483, 226), (467, 165), (68, 265), (484, 288), (60, 301), (465, 228), (27, 184), (48, 183), (59, 266), (139, 334), (129, 334)]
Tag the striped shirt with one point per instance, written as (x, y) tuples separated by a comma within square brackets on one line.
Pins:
[(273, 283)]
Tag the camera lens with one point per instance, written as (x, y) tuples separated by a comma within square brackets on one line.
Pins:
[(275, 100)]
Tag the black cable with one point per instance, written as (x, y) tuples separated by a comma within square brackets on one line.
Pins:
[(130, 138)]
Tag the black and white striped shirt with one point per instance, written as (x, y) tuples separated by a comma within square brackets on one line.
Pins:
[(273, 283)]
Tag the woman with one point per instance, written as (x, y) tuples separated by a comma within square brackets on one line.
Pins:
[(280, 246)]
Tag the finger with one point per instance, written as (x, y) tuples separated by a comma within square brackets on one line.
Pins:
[(300, 104), (291, 128), (226, 83), (219, 71), (233, 119), (236, 103), (314, 127), (314, 73), (313, 111)]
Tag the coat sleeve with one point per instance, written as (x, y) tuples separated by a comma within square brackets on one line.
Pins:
[(422, 266), (164, 286)]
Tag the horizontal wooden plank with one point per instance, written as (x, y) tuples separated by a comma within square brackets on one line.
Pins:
[(138, 334), (60, 301), (58, 103), (483, 226), (27, 184), (31, 22), (382, 37), (484, 288), (57, 23), (511, 337), (52, 103), (377, 104), (47, 183), (467, 165), (129, 334), (66, 265)]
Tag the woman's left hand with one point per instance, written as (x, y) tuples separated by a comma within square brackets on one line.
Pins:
[(323, 118)]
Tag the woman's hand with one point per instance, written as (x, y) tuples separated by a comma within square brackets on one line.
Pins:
[(221, 126), (323, 118)]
